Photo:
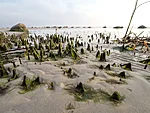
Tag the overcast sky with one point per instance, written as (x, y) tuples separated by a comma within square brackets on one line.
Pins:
[(72, 12)]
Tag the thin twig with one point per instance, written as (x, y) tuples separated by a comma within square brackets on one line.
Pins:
[(142, 4)]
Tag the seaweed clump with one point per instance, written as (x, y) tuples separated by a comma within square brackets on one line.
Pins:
[(126, 66), (79, 88), (29, 84), (3, 89), (70, 73), (98, 54), (122, 75), (85, 93), (70, 106), (114, 65), (107, 67), (113, 81), (3, 71), (14, 76), (147, 61), (51, 86), (116, 97)]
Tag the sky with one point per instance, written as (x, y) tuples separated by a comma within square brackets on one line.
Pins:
[(72, 13)]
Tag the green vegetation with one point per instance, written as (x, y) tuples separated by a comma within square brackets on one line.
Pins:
[(70, 73), (70, 106), (114, 81), (116, 97), (15, 75), (85, 93), (126, 66), (121, 75), (98, 54), (3, 89), (3, 71), (29, 84), (107, 67), (51, 86), (114, 65), (147, 61)]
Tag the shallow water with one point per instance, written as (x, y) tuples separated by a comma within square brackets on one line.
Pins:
[(84, 32)]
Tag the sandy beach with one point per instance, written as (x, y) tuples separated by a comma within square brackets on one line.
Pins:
[(74, 56), (135, 89)]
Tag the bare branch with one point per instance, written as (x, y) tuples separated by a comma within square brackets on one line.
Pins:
[(142, 4), (131, 18), (136, 7)]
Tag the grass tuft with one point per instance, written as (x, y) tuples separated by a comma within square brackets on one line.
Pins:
[(29, 84)]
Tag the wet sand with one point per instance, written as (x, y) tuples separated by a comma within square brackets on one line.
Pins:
[(42, 100)]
